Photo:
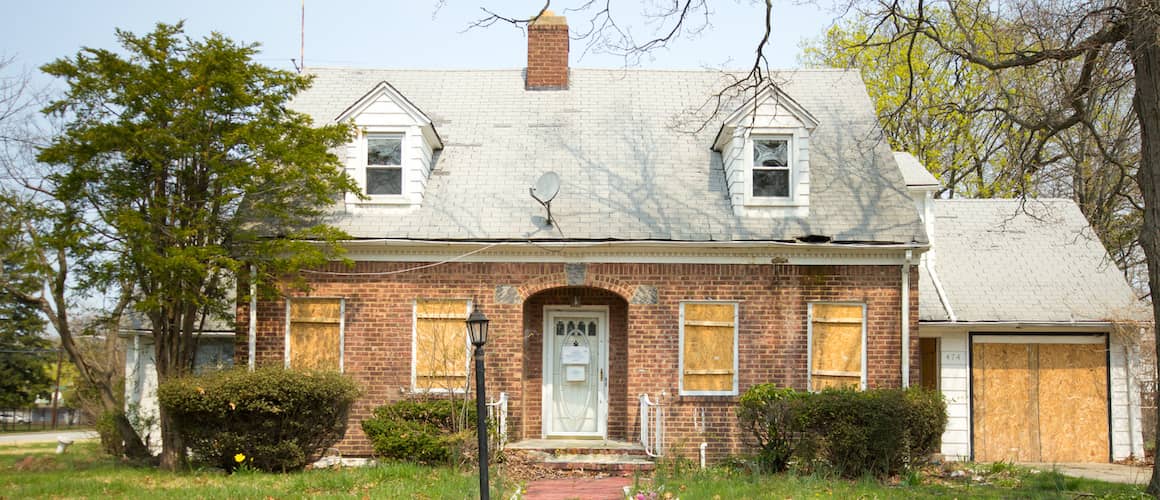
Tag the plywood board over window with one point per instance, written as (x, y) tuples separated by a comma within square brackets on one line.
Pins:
[(314, 333), (708, 348), (1040, 401), (837, 346), (440, 345)]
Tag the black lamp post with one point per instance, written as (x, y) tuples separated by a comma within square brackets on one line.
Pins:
[(477, 330)]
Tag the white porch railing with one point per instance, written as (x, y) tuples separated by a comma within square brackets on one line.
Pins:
[(497, 411), (652, 426)]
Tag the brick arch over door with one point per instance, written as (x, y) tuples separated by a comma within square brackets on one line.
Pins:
[(590, 280)]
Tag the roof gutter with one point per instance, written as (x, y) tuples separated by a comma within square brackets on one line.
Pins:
[(1009, 324), (920, 247), (938, 287)]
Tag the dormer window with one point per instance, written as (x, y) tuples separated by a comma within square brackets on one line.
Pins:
[(384, 167), (765, 150), (394, 152), (771, 167)]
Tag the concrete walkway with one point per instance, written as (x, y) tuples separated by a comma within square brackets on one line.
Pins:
[(44, 437), (1112, 473), (584, 488)]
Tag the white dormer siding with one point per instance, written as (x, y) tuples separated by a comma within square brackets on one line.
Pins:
[(774, 118), (386, 115)]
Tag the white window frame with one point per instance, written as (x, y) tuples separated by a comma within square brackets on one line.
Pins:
[(415, 349), (790, 162), (810, 341), (681, 350), (341, 331), (365, 166)]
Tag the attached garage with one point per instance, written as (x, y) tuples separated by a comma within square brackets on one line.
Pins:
[(1040, 398), (1029, 332)]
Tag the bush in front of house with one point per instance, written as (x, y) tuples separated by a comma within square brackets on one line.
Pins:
[(772, 415), (436, 431), (852, 433), (276, 419)]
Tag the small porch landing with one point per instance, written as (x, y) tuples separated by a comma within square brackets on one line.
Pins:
[(586, 456)]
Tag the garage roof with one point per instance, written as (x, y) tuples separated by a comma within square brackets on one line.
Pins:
[(1035, 260)]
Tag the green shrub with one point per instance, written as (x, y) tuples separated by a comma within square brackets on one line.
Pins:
[(877, 432), (278, 419), (771, 415), (428, 432), (111, 441)]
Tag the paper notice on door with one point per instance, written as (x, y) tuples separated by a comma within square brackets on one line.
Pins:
[(574, 355), (574, 373)]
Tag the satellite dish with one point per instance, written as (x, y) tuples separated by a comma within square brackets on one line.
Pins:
[(545, 190), (547, 187)]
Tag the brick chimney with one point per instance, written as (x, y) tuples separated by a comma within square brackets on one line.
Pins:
[(547, 53)]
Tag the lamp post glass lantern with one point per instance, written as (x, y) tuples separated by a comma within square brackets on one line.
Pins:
[(477, 332), (477, 327)]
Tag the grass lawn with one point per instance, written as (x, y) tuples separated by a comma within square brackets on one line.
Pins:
[(33, 471), (977, 481)]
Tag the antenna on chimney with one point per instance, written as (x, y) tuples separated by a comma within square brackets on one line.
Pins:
[(302, 41)]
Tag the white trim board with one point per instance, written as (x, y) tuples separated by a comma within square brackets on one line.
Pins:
[(1038, 339)]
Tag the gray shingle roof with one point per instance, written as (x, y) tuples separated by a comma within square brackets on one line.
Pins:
[(628, 172), (913, 172), (1039, 263)]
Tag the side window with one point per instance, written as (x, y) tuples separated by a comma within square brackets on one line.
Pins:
[(440, 345), (708, 348), (771, 172), (314, 333), (384, 164), (837, 344)]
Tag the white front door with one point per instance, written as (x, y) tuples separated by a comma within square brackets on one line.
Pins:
[(575, 372)]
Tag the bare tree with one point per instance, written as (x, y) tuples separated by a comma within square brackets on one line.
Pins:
[(32, 252)]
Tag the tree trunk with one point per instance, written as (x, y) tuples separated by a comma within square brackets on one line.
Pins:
[(1145, 54), (134, 447), (173, 455)]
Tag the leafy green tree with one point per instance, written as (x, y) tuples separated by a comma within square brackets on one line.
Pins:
[(956, 117), (924, 98), (24, 352), (181, 170)]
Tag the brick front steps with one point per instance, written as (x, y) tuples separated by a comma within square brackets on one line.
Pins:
[(585, 457)]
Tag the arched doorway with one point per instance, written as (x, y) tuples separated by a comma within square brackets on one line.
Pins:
[(575, 364)]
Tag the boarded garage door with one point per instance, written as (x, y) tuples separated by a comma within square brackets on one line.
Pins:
[(1040, 399)]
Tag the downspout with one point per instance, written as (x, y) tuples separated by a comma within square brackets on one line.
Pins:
[(1131, 406), (253, 314), (906, 320)]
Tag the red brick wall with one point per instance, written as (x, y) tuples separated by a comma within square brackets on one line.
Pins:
[(644, 338)]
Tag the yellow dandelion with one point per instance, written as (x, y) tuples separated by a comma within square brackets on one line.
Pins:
[(239, 458)]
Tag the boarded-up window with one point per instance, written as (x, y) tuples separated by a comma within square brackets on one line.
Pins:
[(440, 345), (314, 333), (837, 335), (708, 348)]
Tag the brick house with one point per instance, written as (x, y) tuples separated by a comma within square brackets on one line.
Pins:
[(688, 255)]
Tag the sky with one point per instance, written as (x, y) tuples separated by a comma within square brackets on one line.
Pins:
[(397, 33)]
